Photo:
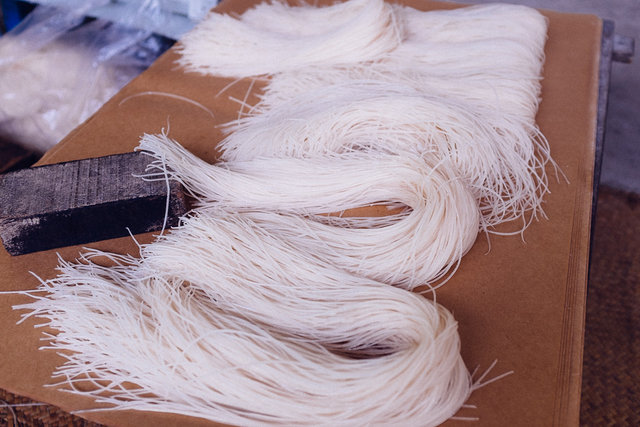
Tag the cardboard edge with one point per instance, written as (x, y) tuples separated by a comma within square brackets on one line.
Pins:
[(569, 379)]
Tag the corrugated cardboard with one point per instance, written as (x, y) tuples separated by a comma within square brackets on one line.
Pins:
[(521, 302)]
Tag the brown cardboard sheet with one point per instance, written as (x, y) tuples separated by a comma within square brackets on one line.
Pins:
[(521, 303)]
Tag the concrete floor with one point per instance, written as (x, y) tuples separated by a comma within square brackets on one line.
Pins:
[(621, 160)]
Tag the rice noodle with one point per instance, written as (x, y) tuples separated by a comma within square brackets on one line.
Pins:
[(274, 37), (243, 341), (501, 165), (408, 250), (260, 308), (478, 69)]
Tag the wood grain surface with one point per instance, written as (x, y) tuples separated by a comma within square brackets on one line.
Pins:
[(84, 201)]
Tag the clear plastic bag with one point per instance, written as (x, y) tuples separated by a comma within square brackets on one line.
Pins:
[(58, 67)]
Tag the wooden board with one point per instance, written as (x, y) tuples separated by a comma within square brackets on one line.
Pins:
[(83, 201)]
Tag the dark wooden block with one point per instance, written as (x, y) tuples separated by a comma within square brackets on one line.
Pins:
[(83, 201)]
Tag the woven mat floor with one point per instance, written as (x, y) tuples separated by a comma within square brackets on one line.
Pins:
[(611, 367), (611, 372)]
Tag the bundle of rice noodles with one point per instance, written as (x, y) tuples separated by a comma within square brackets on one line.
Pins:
[(273, 37), (418, 245), (385, 139), (480, 65), (330, 350), (499, 162)]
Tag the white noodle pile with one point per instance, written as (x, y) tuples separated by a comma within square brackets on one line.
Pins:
[(488, 39), (499, 95), (260, 308), (407, 250), (245, 342), (478, 69), (274, 37), (489, 54), (503, 169)]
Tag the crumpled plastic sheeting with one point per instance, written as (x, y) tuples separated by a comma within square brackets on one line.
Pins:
[(57, 68)]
